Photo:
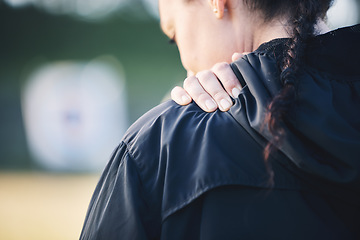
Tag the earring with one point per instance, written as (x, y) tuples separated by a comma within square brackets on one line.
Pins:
[(215, 10)]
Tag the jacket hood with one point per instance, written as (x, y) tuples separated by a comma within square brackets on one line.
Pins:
[(323, 129)]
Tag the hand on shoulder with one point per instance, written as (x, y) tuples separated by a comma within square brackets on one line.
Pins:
[(210, 89)]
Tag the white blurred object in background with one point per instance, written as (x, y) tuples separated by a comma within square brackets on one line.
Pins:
[(86, 9), (343, 13), (152, 7), (75, 114)]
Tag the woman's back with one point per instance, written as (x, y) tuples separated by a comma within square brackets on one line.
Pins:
[(240, 212), (181, 173)]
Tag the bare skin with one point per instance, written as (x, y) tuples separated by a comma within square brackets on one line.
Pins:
[(203, 86), (207, 33)]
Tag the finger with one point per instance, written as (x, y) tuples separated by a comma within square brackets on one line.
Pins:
[(236, 56), (190, 73), (227, 78), (180, 96), (199, 95), (211, 84)]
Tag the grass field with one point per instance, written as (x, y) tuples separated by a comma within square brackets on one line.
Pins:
[(43, 206)]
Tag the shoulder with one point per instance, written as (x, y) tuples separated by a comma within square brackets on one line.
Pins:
[(182, 152), (169, 125)]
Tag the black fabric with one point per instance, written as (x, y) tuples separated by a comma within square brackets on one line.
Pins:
[(181, 173), (237, 212)]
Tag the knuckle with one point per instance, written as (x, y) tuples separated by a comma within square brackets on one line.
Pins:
[(220, 95), (201, 97), (204, 74), (229, 82), (220, 66), (189, 81)]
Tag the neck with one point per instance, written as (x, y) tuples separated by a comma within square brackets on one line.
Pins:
[(269, 31), (278, 29), (251, 36)]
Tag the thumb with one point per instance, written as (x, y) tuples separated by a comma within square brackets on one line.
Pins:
[(237, 56)]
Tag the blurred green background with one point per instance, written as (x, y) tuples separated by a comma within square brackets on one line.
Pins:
[(38, 203), (31, 36)]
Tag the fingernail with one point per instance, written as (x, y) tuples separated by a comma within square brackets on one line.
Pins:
[(185, 99), (235, 92), (210, 105), (225, 105)]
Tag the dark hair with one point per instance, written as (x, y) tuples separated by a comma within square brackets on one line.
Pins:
[(302, 15)]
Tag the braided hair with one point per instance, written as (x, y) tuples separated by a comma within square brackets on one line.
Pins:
[(302, 15)]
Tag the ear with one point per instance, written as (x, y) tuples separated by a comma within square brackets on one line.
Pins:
[(218, 7)]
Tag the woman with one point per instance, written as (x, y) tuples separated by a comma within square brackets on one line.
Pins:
[(181, 173)]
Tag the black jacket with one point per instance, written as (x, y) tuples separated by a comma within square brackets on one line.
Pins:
[(181, 173)]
